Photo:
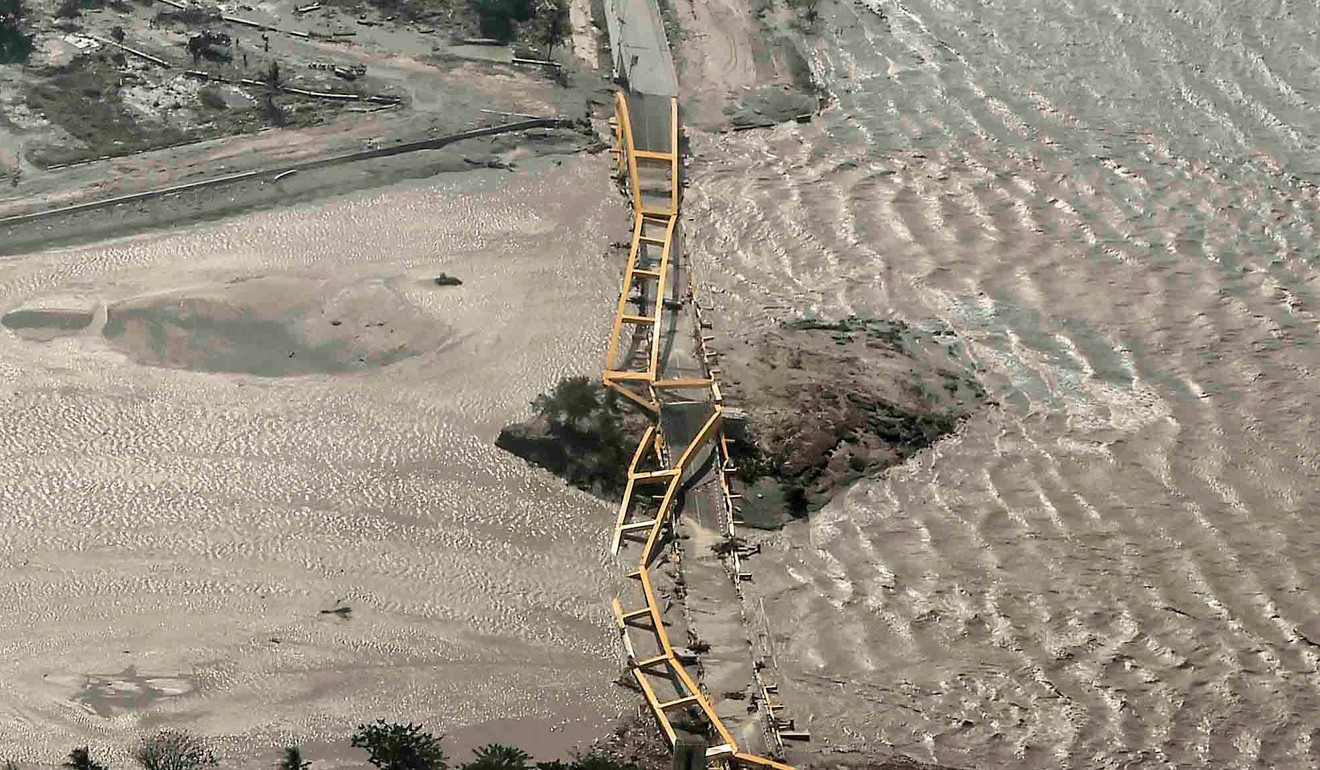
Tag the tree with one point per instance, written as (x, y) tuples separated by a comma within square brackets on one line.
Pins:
[(552, 16), (495, 756), (69, 9), (293, 760), (117, 34), (81, 759), (274, 84), (392, 746), (174, 750), (499, 16), (15, 41), (600, 762)]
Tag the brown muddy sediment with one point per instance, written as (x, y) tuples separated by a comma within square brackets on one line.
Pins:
[(828, 402)]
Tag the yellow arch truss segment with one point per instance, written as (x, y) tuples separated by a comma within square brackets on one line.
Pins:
[(646, 281)]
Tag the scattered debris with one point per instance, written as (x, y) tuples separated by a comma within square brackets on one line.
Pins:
[(342, 610)]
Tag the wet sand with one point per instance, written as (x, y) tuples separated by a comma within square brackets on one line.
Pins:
[(180, 503), (1115, 206)]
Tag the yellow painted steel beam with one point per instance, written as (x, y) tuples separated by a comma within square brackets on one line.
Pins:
[(675, 383), (617, 541), (647, 214), (624, 375), (622, 306), (686, 700), (752, 760), (649, 693), (652, 661), (667, 473), (649, 592), (666, 503), (649, 406), (636, 525), (648, 436), (621, 109), (715, 721), (661, 287)]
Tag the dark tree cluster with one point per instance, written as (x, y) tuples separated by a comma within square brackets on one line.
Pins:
[(15, 40), (388, 745), (548, 20)]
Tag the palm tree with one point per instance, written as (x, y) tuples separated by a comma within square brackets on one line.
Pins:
[(393, 746), (81, 759), (495, 756), (293, 760)]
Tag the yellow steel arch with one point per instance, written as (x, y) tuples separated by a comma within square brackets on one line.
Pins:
[(632, 368)]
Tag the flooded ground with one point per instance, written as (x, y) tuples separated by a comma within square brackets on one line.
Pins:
[(1114, 202), (212, 437)]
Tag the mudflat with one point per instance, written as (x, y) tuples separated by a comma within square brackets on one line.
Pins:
[(212, 435)]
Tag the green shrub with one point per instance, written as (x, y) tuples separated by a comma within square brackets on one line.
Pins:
[(495, 756), (392, 746), (174, 750), (81, 759)]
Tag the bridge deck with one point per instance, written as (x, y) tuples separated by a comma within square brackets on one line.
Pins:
[(660, 369)]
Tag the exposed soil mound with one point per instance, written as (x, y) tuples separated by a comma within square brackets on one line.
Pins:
[(829, 402), (580, 432), (273, 327)]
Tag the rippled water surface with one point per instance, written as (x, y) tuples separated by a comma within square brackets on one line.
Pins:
[(1113, 201), (169, 537)]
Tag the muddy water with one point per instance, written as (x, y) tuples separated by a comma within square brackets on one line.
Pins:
[(172, 529), (1114, 202)]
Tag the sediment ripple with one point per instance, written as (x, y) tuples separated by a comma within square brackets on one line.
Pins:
[(1115, 205), (192, 526)]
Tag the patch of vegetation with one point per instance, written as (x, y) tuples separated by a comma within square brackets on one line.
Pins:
[(293, 760), (84, 99), (578, 433), (192, 16), (495, 756), (499, 18), (389, 746), (81, 759), (210, 96), (392, 746), (15, 40), (174, 750), (552, 24)]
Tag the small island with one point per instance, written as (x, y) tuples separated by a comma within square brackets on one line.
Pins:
[(814, 406)]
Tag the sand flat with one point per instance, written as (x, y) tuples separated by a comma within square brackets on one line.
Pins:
[(169, 535)]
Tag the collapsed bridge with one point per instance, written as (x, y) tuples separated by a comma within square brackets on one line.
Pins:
[(670, 378)]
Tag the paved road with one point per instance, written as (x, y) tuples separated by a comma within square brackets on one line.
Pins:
[(641, 51)]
